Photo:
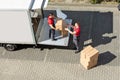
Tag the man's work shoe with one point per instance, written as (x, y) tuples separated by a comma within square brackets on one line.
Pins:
[(74, 48), (77, 51), (54, 39)]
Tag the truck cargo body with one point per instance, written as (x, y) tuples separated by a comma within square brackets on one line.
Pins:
[(16, 27)]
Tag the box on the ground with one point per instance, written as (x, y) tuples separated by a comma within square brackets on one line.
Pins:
[(89, 57), (61, 25)]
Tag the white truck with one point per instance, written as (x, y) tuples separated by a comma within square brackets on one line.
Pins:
[(22, 22)]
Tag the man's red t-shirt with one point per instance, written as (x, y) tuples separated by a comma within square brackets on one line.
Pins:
[(50, 20), (77, 30)]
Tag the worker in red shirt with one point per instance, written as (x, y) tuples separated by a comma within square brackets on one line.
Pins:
[(76, 35), (52, 26)]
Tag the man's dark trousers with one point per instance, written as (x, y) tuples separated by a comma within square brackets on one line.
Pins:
[(52, 34), (76, 42)]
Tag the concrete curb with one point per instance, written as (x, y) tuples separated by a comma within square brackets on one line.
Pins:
[(77, 4), (82, 7)]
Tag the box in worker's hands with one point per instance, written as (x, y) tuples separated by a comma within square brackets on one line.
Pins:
[(61, 25), (89, 57)]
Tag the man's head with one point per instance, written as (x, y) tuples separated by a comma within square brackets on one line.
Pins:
[(76, 24), (51, 15)]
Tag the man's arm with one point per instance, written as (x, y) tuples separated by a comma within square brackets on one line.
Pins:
[(70, 31), (51, 26)]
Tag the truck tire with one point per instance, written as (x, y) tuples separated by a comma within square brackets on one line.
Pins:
[(10, 47)]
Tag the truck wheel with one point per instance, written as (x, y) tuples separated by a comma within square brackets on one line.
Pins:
[(10, 47)]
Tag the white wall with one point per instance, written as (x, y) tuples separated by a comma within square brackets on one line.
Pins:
[(15, 27)]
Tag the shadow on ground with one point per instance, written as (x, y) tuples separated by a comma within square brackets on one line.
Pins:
[(105, 58)]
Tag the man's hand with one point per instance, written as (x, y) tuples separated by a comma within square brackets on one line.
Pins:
[(66, 29), (69, 31), (52, 27)]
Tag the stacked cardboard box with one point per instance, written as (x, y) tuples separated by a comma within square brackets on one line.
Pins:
[(35, 24), (61, 25), (89, 57)]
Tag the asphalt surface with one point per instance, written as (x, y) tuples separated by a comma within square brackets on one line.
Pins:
[(99, 28)]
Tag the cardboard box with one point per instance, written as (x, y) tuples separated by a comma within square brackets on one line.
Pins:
[(35, 24), (88, 64), (89, 57), (84, 51), (64, 33), (60, 25), (92, 54), (87, 49)]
